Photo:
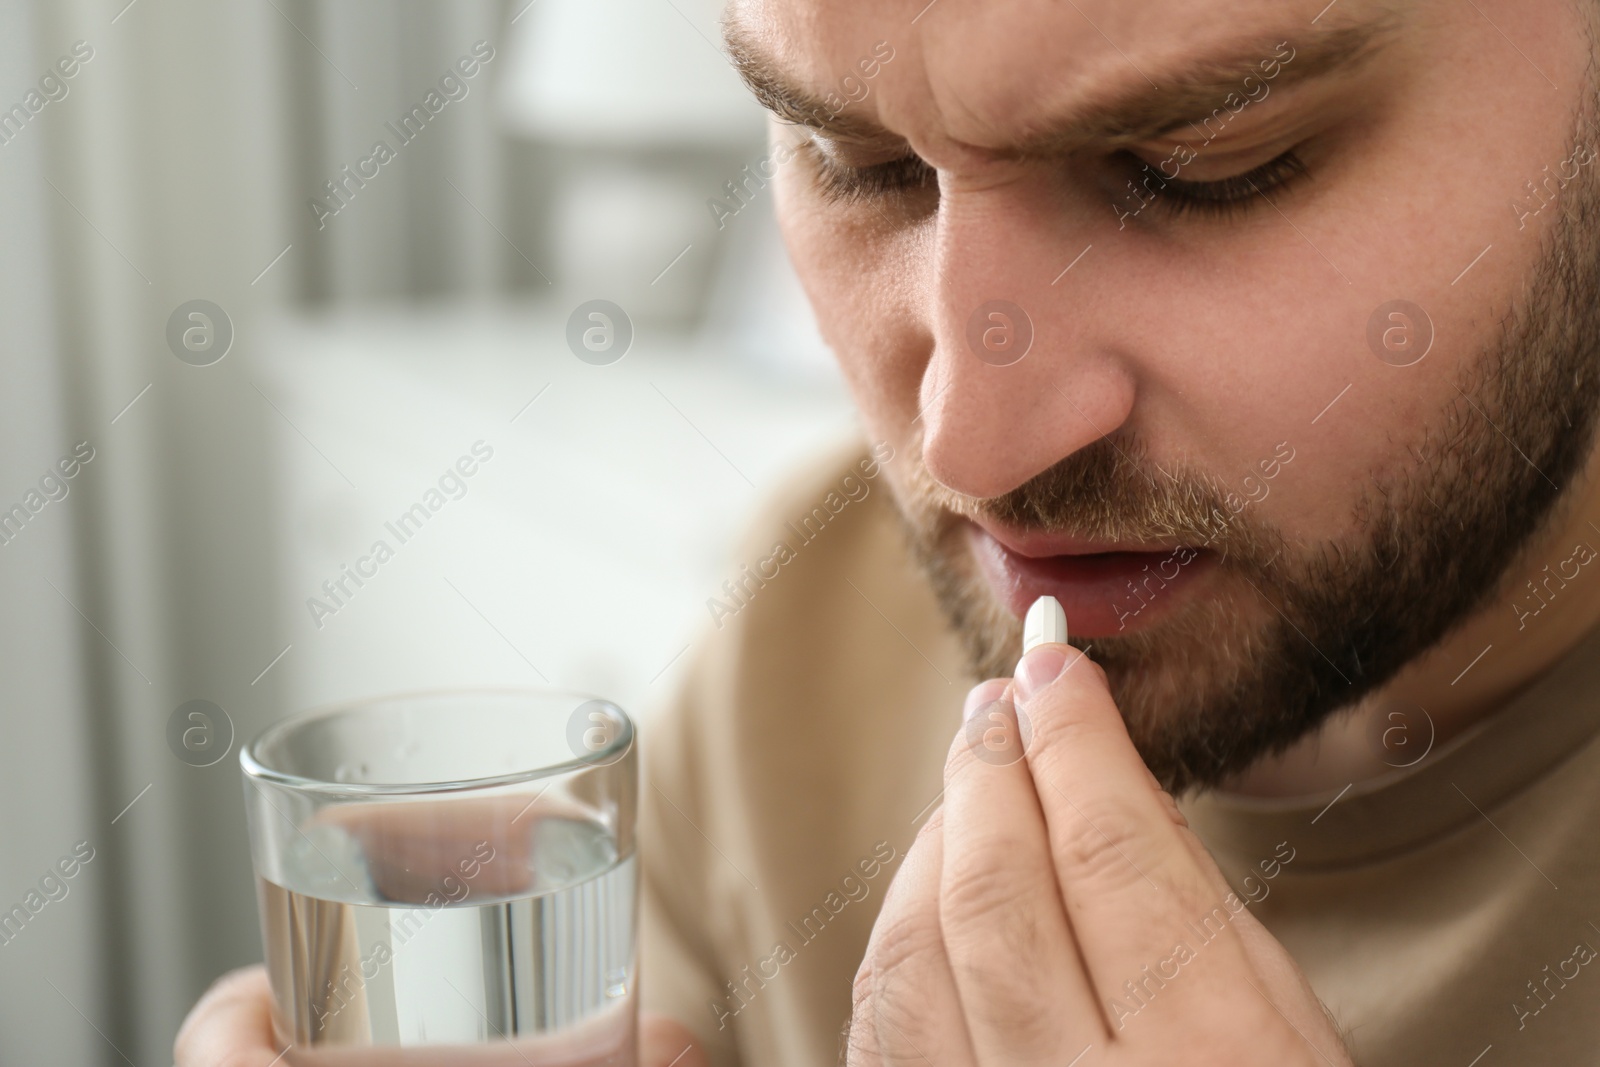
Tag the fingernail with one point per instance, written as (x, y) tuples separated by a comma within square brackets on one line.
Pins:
[(981, 695), (1041, 666)]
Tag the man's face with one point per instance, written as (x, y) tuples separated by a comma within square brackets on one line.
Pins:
[(1256, 483)]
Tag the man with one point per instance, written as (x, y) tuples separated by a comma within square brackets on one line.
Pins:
[(1261, 335)]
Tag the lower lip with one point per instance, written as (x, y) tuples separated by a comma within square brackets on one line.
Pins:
[(1093, 588)]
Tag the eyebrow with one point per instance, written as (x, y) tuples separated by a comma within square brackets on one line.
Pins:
[(1156, 104)]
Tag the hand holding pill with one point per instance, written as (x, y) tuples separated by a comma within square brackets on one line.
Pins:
[(1052, 911)]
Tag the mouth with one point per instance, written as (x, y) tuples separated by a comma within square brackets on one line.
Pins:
[(1106, 589)]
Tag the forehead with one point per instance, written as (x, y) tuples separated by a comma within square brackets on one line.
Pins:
[(987, 72)]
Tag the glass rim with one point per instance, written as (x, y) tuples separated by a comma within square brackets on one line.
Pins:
[(257, 771)]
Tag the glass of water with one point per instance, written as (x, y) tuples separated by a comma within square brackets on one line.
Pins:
[(448, 877)]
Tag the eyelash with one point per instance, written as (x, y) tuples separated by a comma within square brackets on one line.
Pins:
[(1228, 196), (841, 184), (1220, 198)]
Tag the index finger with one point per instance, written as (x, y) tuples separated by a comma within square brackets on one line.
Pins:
[(430, 851), (1133, 884)]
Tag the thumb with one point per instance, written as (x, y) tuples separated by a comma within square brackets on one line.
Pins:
[(666, 1042)]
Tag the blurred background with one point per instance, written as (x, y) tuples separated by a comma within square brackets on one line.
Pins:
[(270, 338)]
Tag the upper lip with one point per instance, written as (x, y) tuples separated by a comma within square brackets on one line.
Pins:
[(1039, 544)]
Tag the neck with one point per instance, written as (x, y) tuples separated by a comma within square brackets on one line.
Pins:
[(1548, 601)]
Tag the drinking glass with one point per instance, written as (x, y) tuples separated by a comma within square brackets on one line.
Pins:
[(448, 877)]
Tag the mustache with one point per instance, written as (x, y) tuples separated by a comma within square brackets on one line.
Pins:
[(1111, 491)]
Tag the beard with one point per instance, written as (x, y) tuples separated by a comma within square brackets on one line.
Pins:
[(1296, 632)]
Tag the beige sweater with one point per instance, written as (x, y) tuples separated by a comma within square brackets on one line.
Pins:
[(1437, 912)]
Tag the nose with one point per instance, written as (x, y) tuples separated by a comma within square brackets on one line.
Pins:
[(1023, 373)]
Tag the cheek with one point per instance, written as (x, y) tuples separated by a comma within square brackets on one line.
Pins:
[(1275, 360), (1248, 345)]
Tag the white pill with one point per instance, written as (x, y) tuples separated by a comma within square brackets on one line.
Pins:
[(1045, 622)]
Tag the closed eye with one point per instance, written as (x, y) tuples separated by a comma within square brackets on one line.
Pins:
[(839, 182), (1222, 197)]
